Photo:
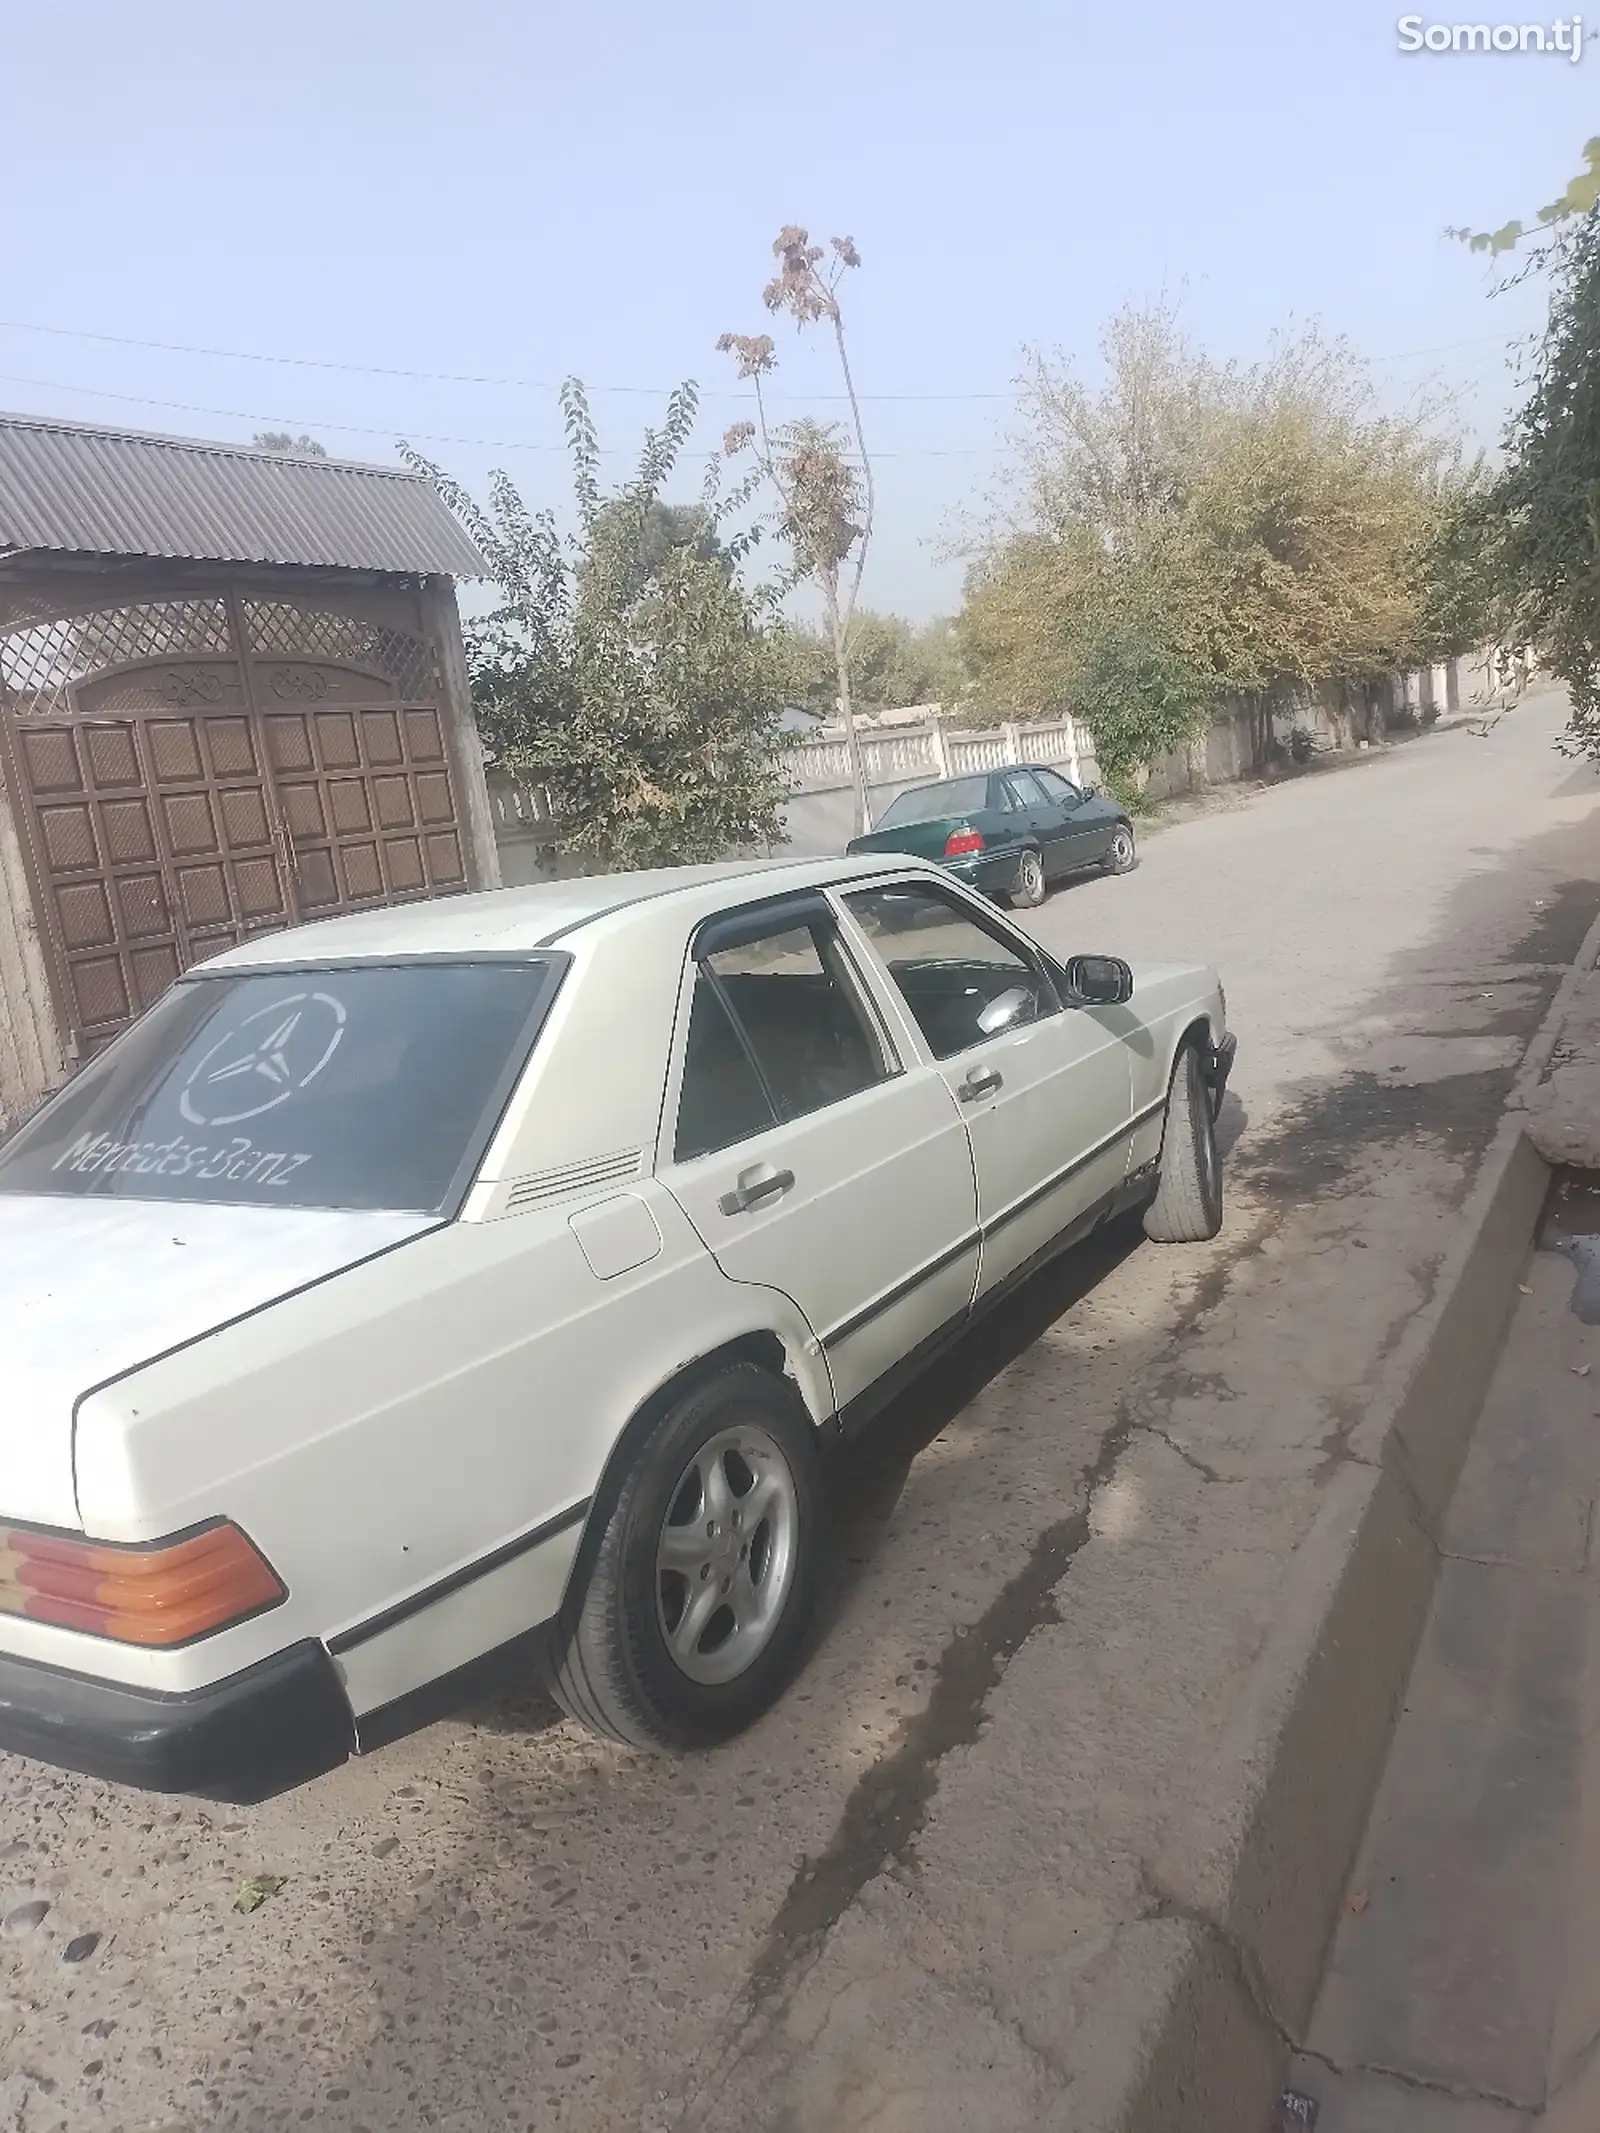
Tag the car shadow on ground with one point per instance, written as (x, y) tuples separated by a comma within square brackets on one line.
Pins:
[(1065, 883), (865, 1478), (1232, 1123)]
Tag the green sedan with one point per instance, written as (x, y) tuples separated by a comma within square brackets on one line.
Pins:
[(1011, 833)]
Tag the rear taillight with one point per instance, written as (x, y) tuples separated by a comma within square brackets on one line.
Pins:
[(962, 840), (161, 1593)]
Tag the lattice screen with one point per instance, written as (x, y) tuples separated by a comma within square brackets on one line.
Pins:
[(277, 628), (37, 664)]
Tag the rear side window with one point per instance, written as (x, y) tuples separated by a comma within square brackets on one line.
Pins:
[(365, 1088), (724, 1097), (777, 1030)]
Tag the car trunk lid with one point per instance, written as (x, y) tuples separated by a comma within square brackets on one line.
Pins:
[(921, 840), (91, 1288)]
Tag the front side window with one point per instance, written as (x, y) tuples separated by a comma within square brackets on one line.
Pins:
[(777, 1030), (1027, 789), (963, 982), (353, 1088), (1063, 793)]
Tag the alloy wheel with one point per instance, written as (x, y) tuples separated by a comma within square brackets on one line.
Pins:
[(727, 1553)]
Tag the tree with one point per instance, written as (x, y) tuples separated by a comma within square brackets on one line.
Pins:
[(643, 543), (1193, 530), (825, 492), (1534, 534), (631, 669), (891, 664), (301, 447), (1577, 197)]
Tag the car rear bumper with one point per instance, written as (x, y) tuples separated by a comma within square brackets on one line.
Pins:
[(1218, 1066), (241, 1739)]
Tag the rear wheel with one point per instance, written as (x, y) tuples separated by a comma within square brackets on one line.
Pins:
[(695, 1607), (1187, 1208), (1123, 854), (1029, 891)]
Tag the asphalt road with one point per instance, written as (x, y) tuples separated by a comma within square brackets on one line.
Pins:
[(501, 1924)]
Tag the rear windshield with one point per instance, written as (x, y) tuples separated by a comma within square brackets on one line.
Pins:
[(933, 803), (370, 1087)]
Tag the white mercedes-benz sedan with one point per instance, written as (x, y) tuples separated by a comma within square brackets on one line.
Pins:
[(472, 1287)]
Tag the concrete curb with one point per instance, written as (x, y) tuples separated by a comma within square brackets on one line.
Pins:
[(1261, 1864), (1251, 1878)]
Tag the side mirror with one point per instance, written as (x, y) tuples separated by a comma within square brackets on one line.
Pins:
[(1006, 1008), (1100, 980)]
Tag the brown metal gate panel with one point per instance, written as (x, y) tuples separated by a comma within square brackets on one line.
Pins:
[(367, 798), (155, 843), (196, 771)]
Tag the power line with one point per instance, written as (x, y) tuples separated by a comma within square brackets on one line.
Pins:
[(1482, 340), (446, 377), (356, 429), (450, 377)]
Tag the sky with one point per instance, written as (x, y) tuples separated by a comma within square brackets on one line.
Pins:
[(413, 219)]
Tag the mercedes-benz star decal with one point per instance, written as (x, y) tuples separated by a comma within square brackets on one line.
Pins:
[(269, 1057)]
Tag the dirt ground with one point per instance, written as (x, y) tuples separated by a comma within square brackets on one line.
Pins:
[(916, 1894)]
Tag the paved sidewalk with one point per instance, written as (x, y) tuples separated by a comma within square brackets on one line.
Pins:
[(1463, 1994)]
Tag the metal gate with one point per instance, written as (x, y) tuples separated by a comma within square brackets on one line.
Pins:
[(192, 772)]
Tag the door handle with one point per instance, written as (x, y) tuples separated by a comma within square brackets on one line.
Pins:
[(282, 842), (755, 1187), (982, 1081)]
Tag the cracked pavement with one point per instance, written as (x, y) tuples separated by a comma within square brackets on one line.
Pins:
[(920, 1892)]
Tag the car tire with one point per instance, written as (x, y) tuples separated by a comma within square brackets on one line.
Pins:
[(1029, 891), (1123, 855), (640, 1653), (1187, 1208)]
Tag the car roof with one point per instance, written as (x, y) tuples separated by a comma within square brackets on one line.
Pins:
[(512, 921), (958, 777)]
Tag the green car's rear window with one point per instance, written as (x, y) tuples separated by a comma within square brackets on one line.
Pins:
[(933, 803)]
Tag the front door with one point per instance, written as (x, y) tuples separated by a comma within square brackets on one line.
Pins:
[(1047, 823), (809, 1155), (1088, 828), (1045, 1089)]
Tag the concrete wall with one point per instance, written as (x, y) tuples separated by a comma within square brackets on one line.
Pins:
[(31, 1055), (820, 817)]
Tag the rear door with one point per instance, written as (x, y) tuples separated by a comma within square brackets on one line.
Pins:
[(1045, 1089), (810, 1154)]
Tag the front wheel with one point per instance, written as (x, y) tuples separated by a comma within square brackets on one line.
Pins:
[(1123, 854), (1030, 888), (1187, 1208), (695, 1607)]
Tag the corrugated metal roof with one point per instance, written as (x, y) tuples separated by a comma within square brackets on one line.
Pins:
[(124, 492)]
